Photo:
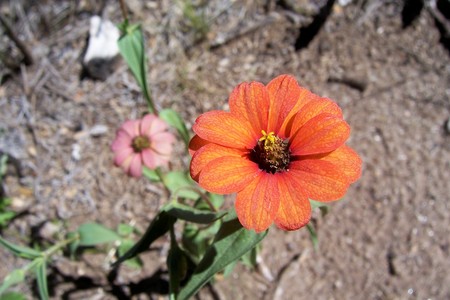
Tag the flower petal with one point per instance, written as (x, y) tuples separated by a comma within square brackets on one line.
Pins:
[(251, 101), (131, 127), (135, 169), (320, 179), (295, 210), (162, 142), (156, 127), (315, 106), (207, 154), (225, 129), (122, 154), (228, 174), (257, 204), (284, 93), (123, 140), (323, 133), (196, 143), (147, 122), (346, 161)]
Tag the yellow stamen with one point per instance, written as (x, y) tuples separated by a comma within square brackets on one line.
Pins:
[(269, 140)]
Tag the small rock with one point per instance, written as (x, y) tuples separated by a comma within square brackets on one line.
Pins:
[(76, 149), (98, 130), (100, 59)]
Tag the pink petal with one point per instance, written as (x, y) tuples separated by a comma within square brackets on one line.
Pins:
[(122, 155), (123, 140), (162, 142), (135, 169), (157, 126), (147, 122), (131, 127)]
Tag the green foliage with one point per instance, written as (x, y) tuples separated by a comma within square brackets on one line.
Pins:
[(131, 47), (13, 278), (190, 214), (160, 226), (195, 20), (173, 119), (91, 234), (20, 251), (12, 296), (231, 242), (181, 185), (5, 214)]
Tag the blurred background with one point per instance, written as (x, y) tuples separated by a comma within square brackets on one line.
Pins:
[(385, 62)]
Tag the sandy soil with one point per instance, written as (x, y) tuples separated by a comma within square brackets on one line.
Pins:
[(388, 239)]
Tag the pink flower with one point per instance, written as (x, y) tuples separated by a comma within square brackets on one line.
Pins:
[(142, 142)]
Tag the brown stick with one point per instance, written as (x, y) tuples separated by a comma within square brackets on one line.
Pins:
[(124, 10), (27, 56)]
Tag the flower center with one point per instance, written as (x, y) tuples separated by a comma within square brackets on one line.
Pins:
[(140, 143), (271, 153)]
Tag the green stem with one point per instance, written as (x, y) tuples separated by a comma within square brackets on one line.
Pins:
[(50, 251)]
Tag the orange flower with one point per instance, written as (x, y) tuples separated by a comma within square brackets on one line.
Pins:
[(279, 145)]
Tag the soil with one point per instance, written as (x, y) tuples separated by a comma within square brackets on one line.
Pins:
[(385, 63)]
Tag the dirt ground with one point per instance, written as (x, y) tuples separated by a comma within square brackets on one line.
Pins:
[(385, 63)]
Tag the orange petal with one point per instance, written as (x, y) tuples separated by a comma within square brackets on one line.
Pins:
[(315, 106), (295, 209), (196, 143), (228, 174), (225, 129), (257, 204), (251, 101), (284, 94), (208, 153), (320, 179), (346, 161), (323, 133)]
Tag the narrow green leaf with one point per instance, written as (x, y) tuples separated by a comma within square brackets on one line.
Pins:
[(313, 235), (231, 242), (92, 234), (134, 262), (157, 228), (324, 208), (191, 214), (249, 258), (229, 269), (150, 174), (41, 276), (125, 229), (21, 251), (177, 266), (5, 217), (180, 185), (216, 200), (13, 296), (174, 120), (131, 46), (15, 277)]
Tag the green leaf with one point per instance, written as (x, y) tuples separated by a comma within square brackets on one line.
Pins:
[(180, 185), (191, 214), (216, 200), (15, 277), (21, 251), (125, 229), (131, 46), (157, 228), (313, 235), (5, 217), (324, 208), (177, 266), (41, 276), (249, 258), (231, 242), (92, 234), (174, 120), (134, 262), (150, 174), (13, 296)]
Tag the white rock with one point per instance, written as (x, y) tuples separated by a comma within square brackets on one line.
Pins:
[(103, 37)]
